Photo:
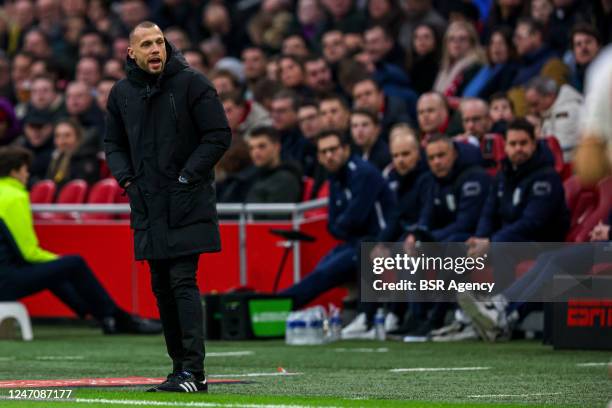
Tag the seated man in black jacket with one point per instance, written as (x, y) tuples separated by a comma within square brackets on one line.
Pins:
[(275, 181), (367, 140)]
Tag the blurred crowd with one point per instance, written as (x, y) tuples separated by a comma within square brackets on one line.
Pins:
[(294, 68)]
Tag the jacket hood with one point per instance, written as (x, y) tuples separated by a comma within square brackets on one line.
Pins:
[(14, 126), (175, 62), (467, 155), (542, 157)]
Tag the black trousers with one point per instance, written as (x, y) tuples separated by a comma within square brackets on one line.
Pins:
[(180, 309), (69, 278)]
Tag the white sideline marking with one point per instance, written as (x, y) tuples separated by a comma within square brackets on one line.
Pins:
[(180, 404), (592, 364), (538, 394), (230, 353), (362, 350), (55, 358), (7, 358), (424, 369), (282, 373)]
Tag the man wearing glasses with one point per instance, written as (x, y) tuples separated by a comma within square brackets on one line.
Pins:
[(359, 204)]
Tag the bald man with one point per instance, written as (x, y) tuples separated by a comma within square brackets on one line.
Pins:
[(166, 130), (432, 114)]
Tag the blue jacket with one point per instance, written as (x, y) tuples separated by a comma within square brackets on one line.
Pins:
[(379, 155), (527, 203), (455, 201), (531, 64), (359, 201), (412, 191)]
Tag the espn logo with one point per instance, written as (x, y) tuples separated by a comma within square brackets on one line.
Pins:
[(589, 313)]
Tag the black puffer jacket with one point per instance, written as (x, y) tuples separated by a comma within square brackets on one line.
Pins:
[(159, 128)]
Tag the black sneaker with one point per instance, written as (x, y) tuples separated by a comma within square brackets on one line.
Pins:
[(168, 378), (183, 382)]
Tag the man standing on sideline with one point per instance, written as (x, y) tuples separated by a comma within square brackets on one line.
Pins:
[(166, 130)]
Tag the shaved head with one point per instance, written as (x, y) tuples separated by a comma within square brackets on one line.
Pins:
[(144, 24)]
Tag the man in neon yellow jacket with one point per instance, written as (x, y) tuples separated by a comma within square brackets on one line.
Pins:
[(26, 268)]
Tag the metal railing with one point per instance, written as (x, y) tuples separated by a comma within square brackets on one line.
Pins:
[(245, 213)]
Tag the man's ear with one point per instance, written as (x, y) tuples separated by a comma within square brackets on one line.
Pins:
[(130, 51)]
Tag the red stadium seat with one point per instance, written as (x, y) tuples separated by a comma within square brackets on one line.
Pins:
[(322, 193), (43, 192), (103, 192), (588, 207), (74, 192), (555, 148)]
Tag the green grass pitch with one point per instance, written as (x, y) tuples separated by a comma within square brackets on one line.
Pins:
[(356, 373)]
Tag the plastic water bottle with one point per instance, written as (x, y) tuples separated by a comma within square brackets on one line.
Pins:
[(335, 324), (379, 324), (315, 322), (295, 333)]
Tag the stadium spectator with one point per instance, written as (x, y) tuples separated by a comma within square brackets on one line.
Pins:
[(28, 269), (309, 20), (357, 189), (501, 112), (81, 105), (72, 159), (178, 37), (335, 113), (254, 61), (333, 46), (417, 13), (224, 81), (284, 119), (36, 43), (318, 75), (535, 59), (432, 114), (462, 58), (310, 126), (92, 44), (586, 43), (390, 110), (114, 69), (540, 11), (196, 59), (291, 74), (88, 71), (44, 96), (103, 91), (367, 140), (10, 127), (386, 13), (380, 44), (276, 180), (475, 119), (526, 202), (242, 115), (344, 16), (295, 44), (497, 75), (559, 108), (423, 58), (37, 138)]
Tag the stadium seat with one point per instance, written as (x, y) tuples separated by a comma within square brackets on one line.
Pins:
[(74, 192), (103, 192), (17, 311), (555, 148), (588, 207), (43, 192)]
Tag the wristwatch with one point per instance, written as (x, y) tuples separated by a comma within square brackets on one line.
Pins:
[(183, 180)]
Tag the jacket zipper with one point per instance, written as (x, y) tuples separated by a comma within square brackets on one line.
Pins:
[(174, 111)]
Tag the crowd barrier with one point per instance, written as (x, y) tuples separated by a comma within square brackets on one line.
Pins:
[(250, 257)]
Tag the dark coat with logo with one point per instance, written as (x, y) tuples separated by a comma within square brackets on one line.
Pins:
[(412, 191), (160, 127), (359, 201), (455, 201), (526, 203)]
